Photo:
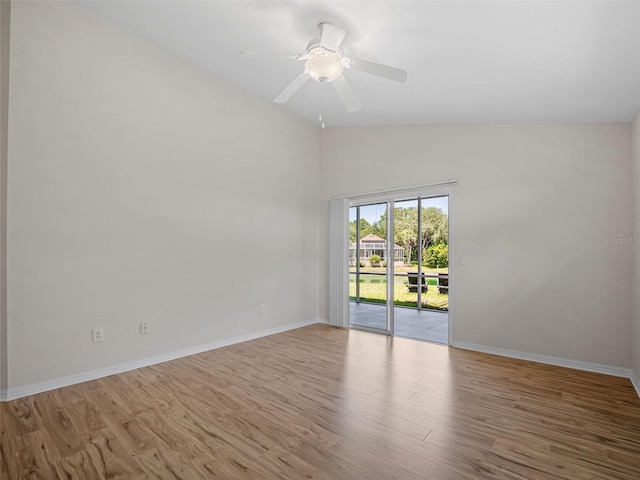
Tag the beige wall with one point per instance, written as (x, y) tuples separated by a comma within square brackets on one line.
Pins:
[(143, 188), (535, 219), (5, 25), (636, 203)]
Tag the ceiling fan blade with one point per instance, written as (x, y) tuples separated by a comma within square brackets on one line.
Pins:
[(295, 85), (274, 55), (346, 94), (331, 37), (385, 71)]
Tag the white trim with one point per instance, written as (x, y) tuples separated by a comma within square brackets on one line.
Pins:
[(548, 359), (635, 380), (40, 387), (453, 267), (560, 362), (449, 181), (47, 385), (400, 195)]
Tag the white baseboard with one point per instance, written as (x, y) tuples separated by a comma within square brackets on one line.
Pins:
[(635, 380), (15, 393), (550, 360)]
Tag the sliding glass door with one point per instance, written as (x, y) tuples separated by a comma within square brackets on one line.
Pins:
[(370, 267), (398, 267)]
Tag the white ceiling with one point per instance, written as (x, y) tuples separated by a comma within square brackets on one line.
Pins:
[(468, 62)]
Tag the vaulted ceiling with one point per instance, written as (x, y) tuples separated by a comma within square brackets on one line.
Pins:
[(470, 62)]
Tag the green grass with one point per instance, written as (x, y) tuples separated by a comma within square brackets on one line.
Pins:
[(400, 269), (376, 293), (369, 279)]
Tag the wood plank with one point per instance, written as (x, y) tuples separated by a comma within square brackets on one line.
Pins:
[(19, 416), (27, 456), (111, 459), (58, 423), (121, 422)]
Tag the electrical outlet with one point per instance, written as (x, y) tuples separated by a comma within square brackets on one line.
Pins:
[(144, 328), (97, 335), (261, 308)]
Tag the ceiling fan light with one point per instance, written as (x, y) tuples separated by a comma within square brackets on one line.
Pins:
[(324, 68)]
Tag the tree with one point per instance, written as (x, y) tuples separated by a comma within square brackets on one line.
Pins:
[(407, 237), (406, 230), (437, 255), (364, 229), (435, 227), (378, 228)]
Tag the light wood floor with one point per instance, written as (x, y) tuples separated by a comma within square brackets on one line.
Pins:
[(322, 402)]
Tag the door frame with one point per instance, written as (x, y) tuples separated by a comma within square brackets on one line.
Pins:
[(390, 197), (389, 270)]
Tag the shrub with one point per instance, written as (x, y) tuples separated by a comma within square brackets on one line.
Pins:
[(437, 255), (374, 260), (384, 263), (362, 263)]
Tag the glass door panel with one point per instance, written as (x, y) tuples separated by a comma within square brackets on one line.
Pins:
[(435, 250), (408, 284), (421, 227), (368, 267)]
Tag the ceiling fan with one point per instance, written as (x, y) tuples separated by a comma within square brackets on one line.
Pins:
[(325, 62)]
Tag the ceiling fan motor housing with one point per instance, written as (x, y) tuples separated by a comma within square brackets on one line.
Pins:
[(323, 65)]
